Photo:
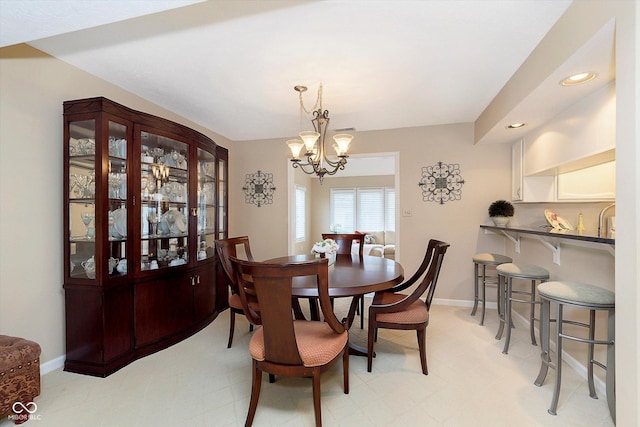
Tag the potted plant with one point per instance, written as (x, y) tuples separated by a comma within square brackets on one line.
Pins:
[(501, 212)]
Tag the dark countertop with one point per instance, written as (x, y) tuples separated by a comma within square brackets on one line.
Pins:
[(542, 231)]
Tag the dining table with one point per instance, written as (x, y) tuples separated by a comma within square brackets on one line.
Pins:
[(350, 275)]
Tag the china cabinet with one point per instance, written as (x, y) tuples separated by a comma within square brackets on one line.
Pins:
[(145, 200)]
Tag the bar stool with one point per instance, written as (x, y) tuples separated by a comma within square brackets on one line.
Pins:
[(509, 272), (485, 260), (580, 295)]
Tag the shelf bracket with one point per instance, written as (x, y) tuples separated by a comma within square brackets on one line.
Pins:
[(611, 249), (515, 240), (555, 249)]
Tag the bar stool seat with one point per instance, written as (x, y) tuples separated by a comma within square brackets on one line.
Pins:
[(506, 274), (485, 260), (580, 295)]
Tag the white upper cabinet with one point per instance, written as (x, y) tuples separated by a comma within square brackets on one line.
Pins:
[(529, 188), (581, 136), (572, 157)]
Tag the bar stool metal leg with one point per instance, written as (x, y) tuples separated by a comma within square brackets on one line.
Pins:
[(590, 354), (611, 364), (532, 313), (544, 342), (558, 361), (507, 313), (501, 303), (475, 289)]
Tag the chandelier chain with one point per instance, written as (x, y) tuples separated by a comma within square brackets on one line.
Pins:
[(316, 106)]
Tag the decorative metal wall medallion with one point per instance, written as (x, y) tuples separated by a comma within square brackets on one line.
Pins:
[(441, 183), (258, 188)]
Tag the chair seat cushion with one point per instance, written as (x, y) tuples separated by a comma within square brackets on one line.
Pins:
[(491, 259), (577, 293), (234, 301), (415, 313), (522, 271), (318, 344)]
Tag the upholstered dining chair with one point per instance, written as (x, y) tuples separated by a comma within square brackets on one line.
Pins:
[(345, 243), (393, 310), (227, 248), (283, 345)]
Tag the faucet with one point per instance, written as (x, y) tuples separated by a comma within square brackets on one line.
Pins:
[(601, 218)]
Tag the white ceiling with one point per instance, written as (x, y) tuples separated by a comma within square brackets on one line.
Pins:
[(231, 65)]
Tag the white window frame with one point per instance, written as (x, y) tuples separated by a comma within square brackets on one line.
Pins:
[(300, 193)]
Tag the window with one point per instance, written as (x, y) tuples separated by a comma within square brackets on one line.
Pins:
[(366, 209), (343, 209), (390, 209), (301, 214)]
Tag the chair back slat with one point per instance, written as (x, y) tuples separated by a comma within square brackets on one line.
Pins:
[(431, 278), (429, 271), (345, 242), (228, 248), (231, 248), (272, 284)]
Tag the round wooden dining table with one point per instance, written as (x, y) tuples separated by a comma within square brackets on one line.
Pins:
[(349, 276)]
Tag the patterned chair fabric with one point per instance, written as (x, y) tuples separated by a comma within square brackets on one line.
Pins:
[(19, 374)]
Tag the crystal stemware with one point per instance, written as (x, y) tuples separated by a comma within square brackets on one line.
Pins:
[(115, 180), (87, 217), (153, 219)]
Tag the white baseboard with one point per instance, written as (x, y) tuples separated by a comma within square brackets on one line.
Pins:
[(460, 303), (52, 365)]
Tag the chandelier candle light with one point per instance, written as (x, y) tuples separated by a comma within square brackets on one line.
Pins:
[(317, 161)]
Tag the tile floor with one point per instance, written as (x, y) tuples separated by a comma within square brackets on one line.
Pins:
[(199, 382)]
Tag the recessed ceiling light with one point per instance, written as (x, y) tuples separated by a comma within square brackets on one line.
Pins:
[(579, 78), (516, 125)]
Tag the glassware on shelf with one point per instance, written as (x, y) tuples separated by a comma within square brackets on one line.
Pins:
[(153, 219), (87, 218), (115, 180)]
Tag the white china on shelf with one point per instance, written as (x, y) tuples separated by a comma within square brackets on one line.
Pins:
[(112, 264), (89, 268), (121, 267)]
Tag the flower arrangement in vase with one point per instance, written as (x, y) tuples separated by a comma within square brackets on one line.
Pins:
[(501, 212), (325, 247)]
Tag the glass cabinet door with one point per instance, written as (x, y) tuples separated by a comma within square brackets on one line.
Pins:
[(82, 199), (164, 210), (117, 215), (206, 204), (222, 199)]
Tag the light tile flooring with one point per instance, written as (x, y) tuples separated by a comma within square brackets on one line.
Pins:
[(199, 382)]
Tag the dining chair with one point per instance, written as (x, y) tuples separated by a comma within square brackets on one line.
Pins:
[(283, 345), (227, 248), (391, 309), (345, 244)]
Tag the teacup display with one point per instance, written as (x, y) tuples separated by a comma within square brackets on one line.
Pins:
[(122, 266), (89, 268), (112, 264)]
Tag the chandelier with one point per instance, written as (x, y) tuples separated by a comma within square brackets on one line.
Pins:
[(316, 160)]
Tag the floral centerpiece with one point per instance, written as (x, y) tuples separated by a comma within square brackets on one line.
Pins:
[(324, 247)]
